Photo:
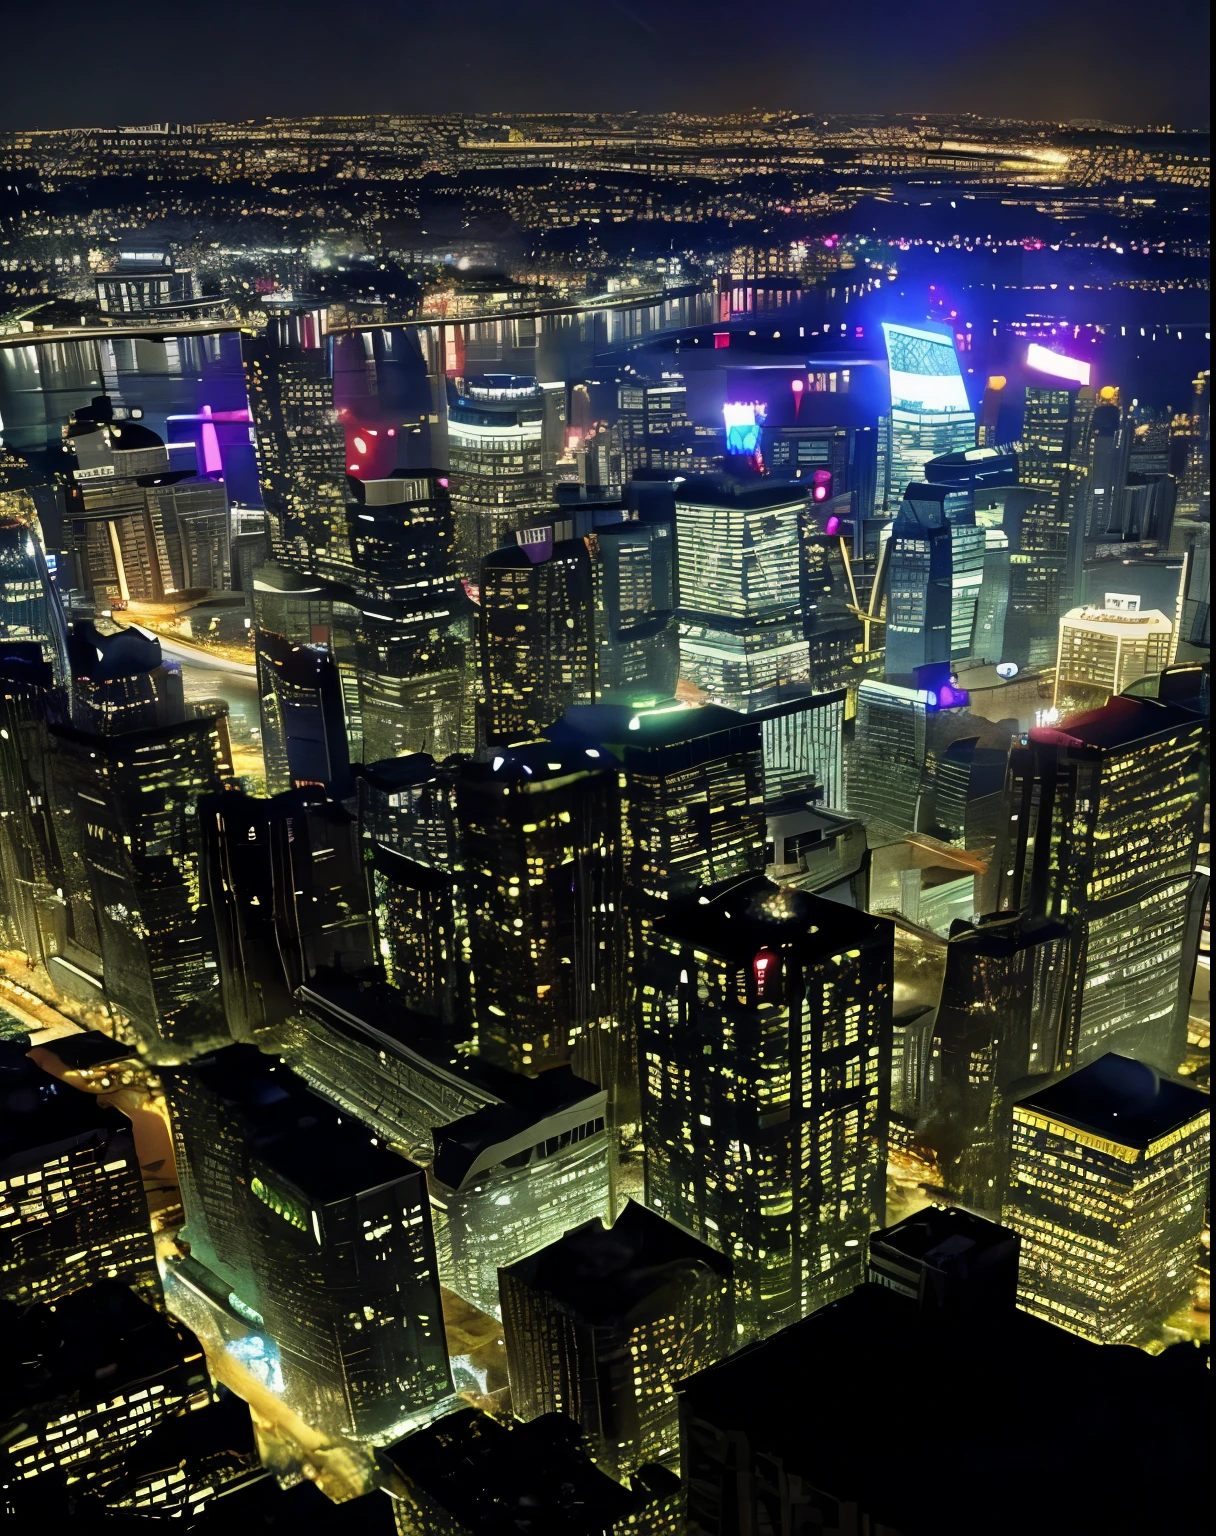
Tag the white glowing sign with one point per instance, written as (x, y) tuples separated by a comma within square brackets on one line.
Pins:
[(1056, 364), (924, 369)]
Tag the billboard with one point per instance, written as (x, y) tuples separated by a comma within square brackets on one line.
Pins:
[(743, 422), (924, 368), (1043, 360)]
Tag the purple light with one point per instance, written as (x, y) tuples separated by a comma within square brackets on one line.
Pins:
[(832, 526)]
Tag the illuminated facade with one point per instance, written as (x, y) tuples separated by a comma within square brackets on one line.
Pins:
[(603, 1323), (538, 637), (803, 747), (33, 918), (414, 620), (30, 607), (541, 849), (1103, 650), (765, 1057), (301, 447), (930, 414), (741, 630), (934, 569), (316, 1233), (1106, 1187), (97, 1372), (125, 819), (891, 754), (496, 428), (511, 1161), (1102, 823), (72, 1208)]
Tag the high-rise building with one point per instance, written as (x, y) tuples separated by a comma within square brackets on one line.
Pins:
[(134, 531), (934, 566), (1103, 650), (889, 768), (1106, 1187), (949, 1261), (126, 824), (86, 1378), (740, 586), (496, 428), (538, 637), (636, 634), (33, 918), (511, 1161), (1103, 820), (930, 414), (999, 1024), (72, 1208), (315, 1234), (601, 1324), (301, 447), (748, 1464), (470, 1471), (802, 738), (30, 609), (765, 1055), (540, 839), (1107, 450), (414, 636), (283, 879)]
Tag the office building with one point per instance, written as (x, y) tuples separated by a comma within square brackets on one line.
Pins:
[(889, 768), (540, 838), (930, 414), (538, 637), (1103, 818), (284, 882), (652, 423), (496, 427), (469, 1472), (511, 1161), (314, 1233), (72, 1208), (604, 1322), (131, 846), (741, 630), (636, 633), (950, 1262), (1000, 1024), (301, 447), (1107, 448), (32, 913), (1106, 1187), (86, 1378), (802, 738), (749, 1464), (414, 642), (934, 566), (30, 608), (765, 1057), (146, 283), (1103, 650)]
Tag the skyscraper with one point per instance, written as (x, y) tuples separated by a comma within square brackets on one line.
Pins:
[(1106, 1188), (741, 631), (602, 1323), (496, 425), (1103, 819), (540, 842), (889, 770), (126, 823), (765, 1055), (72, 1207), (301, 449), (930, 413), (538, 637), (315, 1234), (934, 568)]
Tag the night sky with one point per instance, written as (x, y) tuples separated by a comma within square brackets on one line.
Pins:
[(74, 62)]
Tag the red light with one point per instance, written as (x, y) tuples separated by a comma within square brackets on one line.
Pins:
[(764, 962), (721, 339), (443, 483), (797, 385)]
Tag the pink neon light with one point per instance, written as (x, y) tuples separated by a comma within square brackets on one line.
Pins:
[(832, 526)]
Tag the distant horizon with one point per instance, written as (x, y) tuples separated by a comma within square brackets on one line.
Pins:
[(1044, 61)]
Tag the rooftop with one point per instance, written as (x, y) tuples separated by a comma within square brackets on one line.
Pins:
[(740, 916), (38, 1111), (637, 1270), (1118, 723), (1121, 1100)]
